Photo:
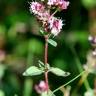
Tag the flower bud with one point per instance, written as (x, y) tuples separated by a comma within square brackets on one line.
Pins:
[(41, 87)]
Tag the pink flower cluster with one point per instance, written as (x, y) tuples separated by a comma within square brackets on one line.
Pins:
[(36, 8), (59, 3), (49, 22)]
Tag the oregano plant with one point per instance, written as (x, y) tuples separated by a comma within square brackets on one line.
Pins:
[(51, 26)]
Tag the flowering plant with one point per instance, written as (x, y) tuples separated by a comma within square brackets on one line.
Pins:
[(51, 27)]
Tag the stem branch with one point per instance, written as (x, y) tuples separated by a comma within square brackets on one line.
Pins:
[(69, 82)]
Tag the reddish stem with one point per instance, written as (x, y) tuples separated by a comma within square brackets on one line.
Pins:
[(46, 49), (46, 59)]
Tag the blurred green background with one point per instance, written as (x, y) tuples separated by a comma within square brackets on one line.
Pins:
[(21, 46)]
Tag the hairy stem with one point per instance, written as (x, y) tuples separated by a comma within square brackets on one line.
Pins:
[(46, 61)]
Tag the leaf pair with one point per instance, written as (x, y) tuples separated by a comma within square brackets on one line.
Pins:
[(33, 70)]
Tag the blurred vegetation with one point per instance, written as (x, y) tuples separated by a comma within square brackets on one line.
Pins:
[(21, 46)]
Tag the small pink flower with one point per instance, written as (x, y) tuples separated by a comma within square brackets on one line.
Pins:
[(39, 10), (59, 3), (36, 8), (63, 5), (51, 2), (42, 87), (55, 25)]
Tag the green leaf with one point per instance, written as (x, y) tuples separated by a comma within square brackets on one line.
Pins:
[(31, 71), (52, 42), (48, 66), (59, 72), (41, 65), (42, 32), (89, 93), (49, 93), (2, 93)]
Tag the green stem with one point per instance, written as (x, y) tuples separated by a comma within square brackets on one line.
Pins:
[(86, 83), (28, 83), (68, 82), (55, 12)]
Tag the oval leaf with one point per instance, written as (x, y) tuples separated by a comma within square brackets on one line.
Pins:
[(52, 42), (42, 32), (41, 63), (59, 72), (32, 71)]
